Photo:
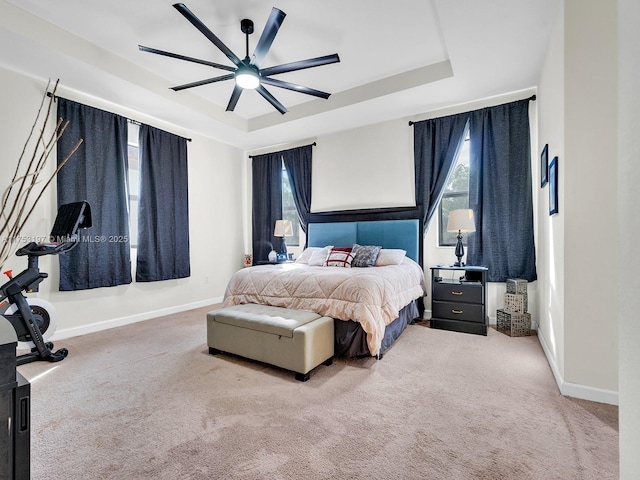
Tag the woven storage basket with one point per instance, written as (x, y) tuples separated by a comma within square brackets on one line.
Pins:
[(518, 286), (514, 303), (513, 324)]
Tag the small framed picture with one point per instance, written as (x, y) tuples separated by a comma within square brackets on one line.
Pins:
[(553, 186), (544, 166)]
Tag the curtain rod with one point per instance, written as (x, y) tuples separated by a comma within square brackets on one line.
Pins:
[(532, 98), (135, 122), (309, 145)]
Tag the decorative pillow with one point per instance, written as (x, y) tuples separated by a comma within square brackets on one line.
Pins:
[(306, 254), (364, 256), (339, 257), (390, 256), (320, 256)]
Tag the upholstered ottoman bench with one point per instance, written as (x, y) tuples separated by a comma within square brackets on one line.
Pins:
[(291, 339)]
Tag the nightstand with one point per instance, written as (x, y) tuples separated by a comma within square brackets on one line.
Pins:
[(459, 299)]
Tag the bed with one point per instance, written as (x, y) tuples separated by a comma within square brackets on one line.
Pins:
[(371, 306)]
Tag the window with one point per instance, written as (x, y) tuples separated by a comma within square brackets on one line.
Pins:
[(134, 181), (289, 211), (456, 195)]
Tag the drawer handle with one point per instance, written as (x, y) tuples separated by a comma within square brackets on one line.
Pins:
[(457, 312), (456, 293)]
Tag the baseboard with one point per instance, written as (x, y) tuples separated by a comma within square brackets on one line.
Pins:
[(119, 322), (568, 389)]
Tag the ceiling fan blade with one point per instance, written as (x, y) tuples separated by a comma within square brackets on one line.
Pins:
[(235, 96), (268, 35), (188, 14), (202, 82), (271, 99), (300, 65), (188, 59), (292, 86)]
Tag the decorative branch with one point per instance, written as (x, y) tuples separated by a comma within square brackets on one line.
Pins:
[(26, 187)]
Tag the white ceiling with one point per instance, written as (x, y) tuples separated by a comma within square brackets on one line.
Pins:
[(398, 59)]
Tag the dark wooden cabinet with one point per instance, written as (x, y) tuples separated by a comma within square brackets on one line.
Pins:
[(15, 410), (459, 299)]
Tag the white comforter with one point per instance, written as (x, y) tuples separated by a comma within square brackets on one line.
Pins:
[(372, 296)]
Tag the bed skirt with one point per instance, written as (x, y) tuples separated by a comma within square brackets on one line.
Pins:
[(351, 339)]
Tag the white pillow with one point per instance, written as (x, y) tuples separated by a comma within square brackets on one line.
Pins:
[(306, 254), (339, 257), (390, 256), (320, 256)]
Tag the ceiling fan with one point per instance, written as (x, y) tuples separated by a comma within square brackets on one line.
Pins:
[(247, 72)]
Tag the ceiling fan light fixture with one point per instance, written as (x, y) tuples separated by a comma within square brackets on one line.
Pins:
[(247, 78), (247, 72)]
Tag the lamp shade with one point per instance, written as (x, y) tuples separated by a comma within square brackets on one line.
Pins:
[(461, 221), (283, 229)]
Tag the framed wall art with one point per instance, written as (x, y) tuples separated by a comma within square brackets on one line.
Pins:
[(553, 186), (544, 166)]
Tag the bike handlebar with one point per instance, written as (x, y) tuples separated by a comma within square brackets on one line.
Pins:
[(34, 249)]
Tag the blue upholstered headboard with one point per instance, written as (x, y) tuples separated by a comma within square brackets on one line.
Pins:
[(389, 228)]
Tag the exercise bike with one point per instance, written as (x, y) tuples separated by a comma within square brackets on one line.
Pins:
[(34, 319)]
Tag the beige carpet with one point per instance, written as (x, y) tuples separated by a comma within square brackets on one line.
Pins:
[(148, 401)]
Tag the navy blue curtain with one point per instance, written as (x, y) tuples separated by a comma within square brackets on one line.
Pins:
[(267, 203), (500, 192), (97, 173), (297, 161), (163, 214), (436, 145)]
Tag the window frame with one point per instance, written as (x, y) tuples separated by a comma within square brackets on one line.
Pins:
[(442, 221), (294, 240), (133, 182)]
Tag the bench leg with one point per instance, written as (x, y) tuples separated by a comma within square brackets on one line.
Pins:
[(213, 351), (303, 377)]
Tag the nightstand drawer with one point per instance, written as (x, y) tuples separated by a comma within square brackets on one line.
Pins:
[(456, 292), (458, 311)]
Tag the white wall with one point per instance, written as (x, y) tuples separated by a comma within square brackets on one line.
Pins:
[(577, 116), (590, 183), (551, 229), (628, 234), (364, 168), (215, 205)]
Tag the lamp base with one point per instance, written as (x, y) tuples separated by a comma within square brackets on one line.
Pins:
[(459, 251)]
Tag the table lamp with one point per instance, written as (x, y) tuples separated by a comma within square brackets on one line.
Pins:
[(283, 229), (461, 221)]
